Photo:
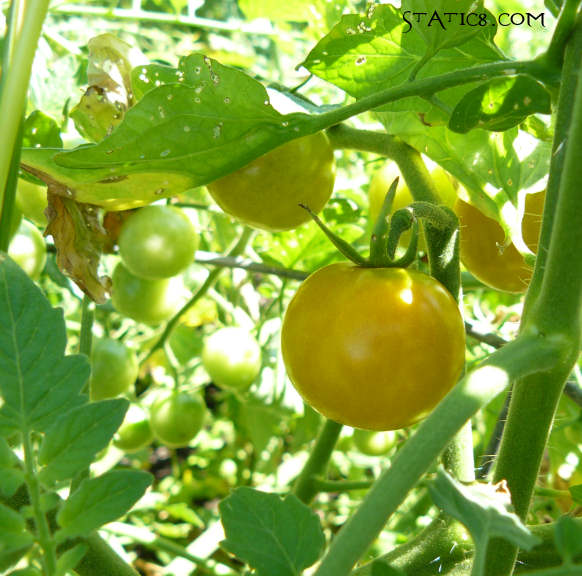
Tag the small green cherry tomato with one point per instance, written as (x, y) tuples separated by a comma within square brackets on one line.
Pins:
[(28, 249), (135, 432), (113, 369), (157, 242), (148, 301), (232, 358), (373, 348), (267, 192), (31, 200), (177, 417), (373, 443)]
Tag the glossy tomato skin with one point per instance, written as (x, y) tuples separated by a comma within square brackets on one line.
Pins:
[(147, 301), (135, 432), (373, 348), (531, 223), (157, 242), (381, 182), (177, 417), (483, 254), (232, 358), (114, 369), (266, 193), (28, 249)]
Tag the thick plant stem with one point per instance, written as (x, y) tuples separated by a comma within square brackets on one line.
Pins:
[(523, 356), (556, 312), (27, 25), (305, 487)]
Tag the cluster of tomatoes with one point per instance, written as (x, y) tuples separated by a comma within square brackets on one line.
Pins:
[(231, 357), (374, 348)]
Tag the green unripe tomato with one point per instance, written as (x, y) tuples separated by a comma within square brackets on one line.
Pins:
[(157, 242), (28, 249), (31, 200), (372, 443), (232, 358), (135, 432), (148, 301), (114, 369), (177, 417)]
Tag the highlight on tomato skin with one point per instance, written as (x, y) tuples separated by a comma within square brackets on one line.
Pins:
[(373, 348), (266, 193)]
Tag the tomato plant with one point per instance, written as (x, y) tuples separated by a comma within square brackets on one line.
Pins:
[(144, 300), (372, 348), (28, 249), (157, 242), (177, 417), (484, 254), (135, 433), (232, 358), (31, 200), (113, 369), (373, 443), (267, 192), (383, 178)]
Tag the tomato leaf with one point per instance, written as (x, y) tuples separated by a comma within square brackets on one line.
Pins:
[(209, 121), (15, 540), (38, 381), (41, 130), (568, 538), (100, 500), (500, 104), (11, 475), (74, 439), (483, 509), (277, 537), (364, 54)]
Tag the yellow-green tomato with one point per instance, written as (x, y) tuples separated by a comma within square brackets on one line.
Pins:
[(373, 348), (31, 200), (372, 443), (267, 192), (148, 301), (381, 182), (135, 432), (157, 242), (232, 358), (28, 249), (114, 369), (177, 417)]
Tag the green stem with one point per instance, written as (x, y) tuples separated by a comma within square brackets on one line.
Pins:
[(172, 19), (236, 250), (556, 313), (305, 487), (86, 335), (8, 205), (44, 536), (24, 35), (428, 86), (519, 358), (554, 55)]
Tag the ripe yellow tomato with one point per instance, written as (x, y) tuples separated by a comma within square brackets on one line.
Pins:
[(484, 254), (383, 178), (531, 223), (267, 192), (373, 348)]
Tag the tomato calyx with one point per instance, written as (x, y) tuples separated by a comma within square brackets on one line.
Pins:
[(388, 229)]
